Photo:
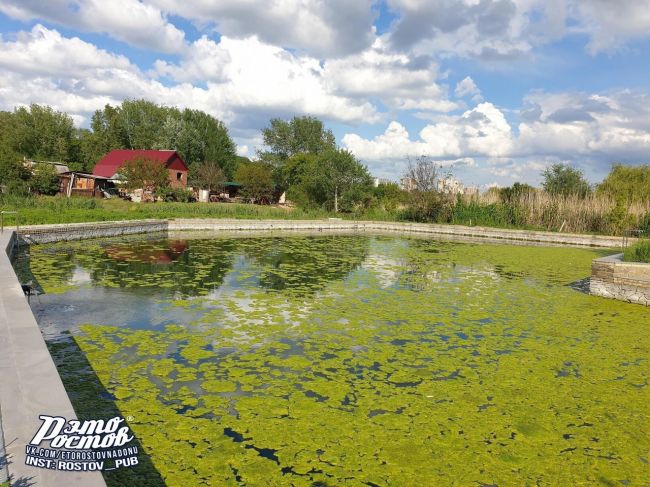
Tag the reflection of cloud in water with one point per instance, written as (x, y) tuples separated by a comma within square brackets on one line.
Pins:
[(385, 269), (57, 313), (80, 276)]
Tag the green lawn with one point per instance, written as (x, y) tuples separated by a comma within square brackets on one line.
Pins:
[(33, 211)]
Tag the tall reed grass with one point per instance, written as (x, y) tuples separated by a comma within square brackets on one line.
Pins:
[(541, 210)]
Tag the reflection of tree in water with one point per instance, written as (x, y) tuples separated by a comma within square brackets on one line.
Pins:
[(194, 267), (188, 267), (305, 264)]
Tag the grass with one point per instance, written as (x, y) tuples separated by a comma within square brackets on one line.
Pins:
[(539, 211), (638, 253), (42, 210)]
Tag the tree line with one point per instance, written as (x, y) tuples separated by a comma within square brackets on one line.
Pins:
[(300, 157)]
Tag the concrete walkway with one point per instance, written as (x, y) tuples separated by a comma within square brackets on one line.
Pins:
[(29, 383)]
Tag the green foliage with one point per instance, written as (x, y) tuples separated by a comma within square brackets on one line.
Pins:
[(429, 206), (141, 124), (390, 196), (515, 192), (39, 132), (618, 219), (325, 178), (169, 194), (146, 174), (644, 225), (488, 215), (207, 175), (627, 183), (561, 179), (639, 252), (256, 179), (45, 180), (300, 134), (14, 175)]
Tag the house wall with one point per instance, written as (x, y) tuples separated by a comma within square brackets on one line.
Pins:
[(177, 183)]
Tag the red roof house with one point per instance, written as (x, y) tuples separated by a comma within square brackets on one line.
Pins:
[(109, 166)]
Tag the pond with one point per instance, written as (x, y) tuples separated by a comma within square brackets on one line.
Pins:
[(349, 360)]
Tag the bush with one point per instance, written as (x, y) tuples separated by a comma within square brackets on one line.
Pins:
[(45, 180), (180, 195), (639, 252), (429, 206)]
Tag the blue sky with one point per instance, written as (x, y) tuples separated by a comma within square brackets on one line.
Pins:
[(495, 90)]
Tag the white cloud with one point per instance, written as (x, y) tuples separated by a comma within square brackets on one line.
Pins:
[(589, 130), (320, 28), (482, 131), (506, 29), (399, 81), (611, 24), (137, 23), (467, 87), (611, 126), (251, 79)]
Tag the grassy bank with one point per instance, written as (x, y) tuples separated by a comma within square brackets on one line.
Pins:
[(54, 209), (638, 253), (590, 215)]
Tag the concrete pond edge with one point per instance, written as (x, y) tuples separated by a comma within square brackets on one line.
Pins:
[(31, 386)]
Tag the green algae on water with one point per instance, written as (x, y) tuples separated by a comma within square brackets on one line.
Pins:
[(363, 360)]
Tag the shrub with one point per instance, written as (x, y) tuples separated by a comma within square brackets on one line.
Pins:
[(639, 252), (45, 180), (180, 195)]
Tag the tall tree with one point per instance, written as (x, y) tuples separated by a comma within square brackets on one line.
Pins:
[(205, 138), (40, 132), (627, 183), (300, 134), (330, 175), (256, 179), (565, 180)]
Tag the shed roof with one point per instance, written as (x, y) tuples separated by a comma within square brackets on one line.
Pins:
[(110, 164)]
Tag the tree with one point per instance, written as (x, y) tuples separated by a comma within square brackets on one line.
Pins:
[(40, 132), (515, 192), (14, 176), (423, 172), (256, 179), (300, 134), (141, 124), (145, 174), (45, 179), (207, 175), (205, 138), (626, 183), (561, 179), (338, 171)]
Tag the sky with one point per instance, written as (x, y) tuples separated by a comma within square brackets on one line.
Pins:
[(494, 90)]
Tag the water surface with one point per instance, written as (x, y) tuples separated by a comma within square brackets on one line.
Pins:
[(350, 360)]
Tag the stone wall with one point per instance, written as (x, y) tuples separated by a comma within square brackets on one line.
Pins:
[(77, 231), (625, 281), (418, 228)]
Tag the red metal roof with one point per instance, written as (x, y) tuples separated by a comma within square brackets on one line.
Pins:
[(110, 164)]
